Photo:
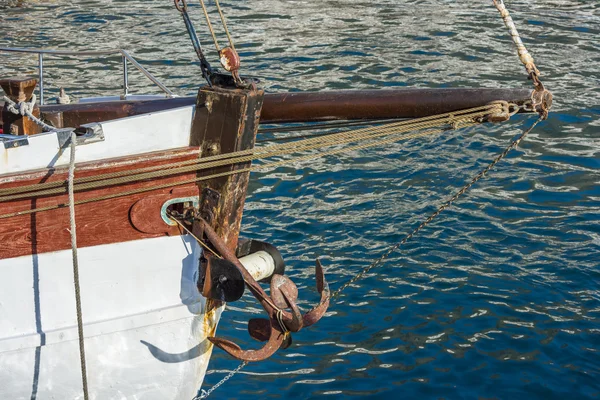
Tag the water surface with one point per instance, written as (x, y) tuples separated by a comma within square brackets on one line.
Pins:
[(499, 297)]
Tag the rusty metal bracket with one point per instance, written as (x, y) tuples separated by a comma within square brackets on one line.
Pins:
[(217, 279)]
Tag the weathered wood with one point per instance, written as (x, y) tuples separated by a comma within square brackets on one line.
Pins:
[(102, 222), (227, 121), (73, 115), (18, 90)]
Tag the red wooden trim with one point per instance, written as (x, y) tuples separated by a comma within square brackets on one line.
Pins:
[(102, 222)]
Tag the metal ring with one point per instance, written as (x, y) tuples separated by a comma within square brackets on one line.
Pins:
[(179, 7), (513, 109)]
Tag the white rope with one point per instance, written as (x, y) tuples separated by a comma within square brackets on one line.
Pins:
[(76, 264), (524, 55), (26, 109)]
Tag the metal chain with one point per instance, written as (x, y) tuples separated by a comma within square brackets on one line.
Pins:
[(445, 205), (181, 6), (205, 393)]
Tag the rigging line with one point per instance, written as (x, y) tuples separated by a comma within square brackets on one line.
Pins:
[(195, 167), (224, 24), (264, 152), (413, 124), (327, 125), (440, 209), (210, 28), (73, 231), (227, 173), (524, 56), (261, 150)]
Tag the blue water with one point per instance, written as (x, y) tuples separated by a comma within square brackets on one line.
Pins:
[(498, 297)]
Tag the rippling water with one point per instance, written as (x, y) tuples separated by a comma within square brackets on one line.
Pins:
[(499, 297)]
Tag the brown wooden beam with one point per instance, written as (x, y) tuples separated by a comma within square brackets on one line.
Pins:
[(307, 106), (374, 104)]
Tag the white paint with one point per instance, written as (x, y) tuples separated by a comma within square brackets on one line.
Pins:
[(162, 130), (260, 265), (142, 321)]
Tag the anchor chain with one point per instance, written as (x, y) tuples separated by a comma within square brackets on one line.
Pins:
[(441, 208), (205, 393), (541, 102)]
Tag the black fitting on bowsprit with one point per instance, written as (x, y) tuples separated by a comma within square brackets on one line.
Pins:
[(207, 71)]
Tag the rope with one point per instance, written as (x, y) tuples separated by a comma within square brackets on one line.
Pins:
[(224, 24), (26, 109), (541, 98), (94, 182), (210, 28), (524, 55), (76, 265), (227, 173)]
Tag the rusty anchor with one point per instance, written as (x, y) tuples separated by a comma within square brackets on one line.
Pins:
[(276, 330)]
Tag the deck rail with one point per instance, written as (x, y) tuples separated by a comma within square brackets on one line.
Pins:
[(70, 53)]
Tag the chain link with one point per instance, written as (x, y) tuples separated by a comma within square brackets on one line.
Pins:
[(205, 393), (445, 205)]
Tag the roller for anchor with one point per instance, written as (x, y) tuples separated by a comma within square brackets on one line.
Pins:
[(222, 280)]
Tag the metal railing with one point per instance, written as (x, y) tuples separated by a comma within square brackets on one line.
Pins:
[(124, 55)]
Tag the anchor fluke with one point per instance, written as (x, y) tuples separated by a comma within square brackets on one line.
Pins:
[(319, 310), (259, 329)]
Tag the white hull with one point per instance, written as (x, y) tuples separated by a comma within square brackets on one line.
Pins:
[(143, 323)]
